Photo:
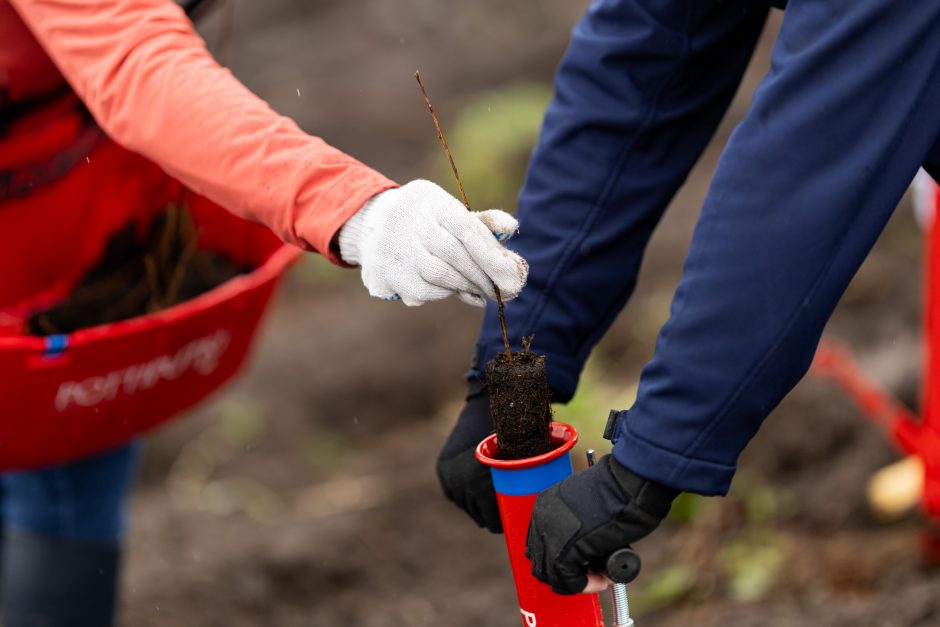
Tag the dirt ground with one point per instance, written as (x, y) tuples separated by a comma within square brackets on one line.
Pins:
[(305, 494)]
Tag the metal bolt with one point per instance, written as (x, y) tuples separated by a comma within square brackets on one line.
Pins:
[(618, 594), (590, 457)]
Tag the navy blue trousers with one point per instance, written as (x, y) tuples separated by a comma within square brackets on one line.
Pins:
[(81, 501), (848, 112)]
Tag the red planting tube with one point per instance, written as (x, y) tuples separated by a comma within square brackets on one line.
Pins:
[(518, 482)]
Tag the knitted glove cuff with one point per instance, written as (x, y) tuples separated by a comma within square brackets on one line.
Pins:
[(352, 233)]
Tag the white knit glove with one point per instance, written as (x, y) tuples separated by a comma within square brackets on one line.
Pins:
[(417, 243)]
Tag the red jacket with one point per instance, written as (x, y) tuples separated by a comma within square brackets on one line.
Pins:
[(151, 85)]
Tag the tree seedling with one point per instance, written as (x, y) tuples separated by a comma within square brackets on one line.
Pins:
[(520, 399)]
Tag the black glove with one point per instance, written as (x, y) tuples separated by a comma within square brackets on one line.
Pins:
[(579, 522), (465, 480)]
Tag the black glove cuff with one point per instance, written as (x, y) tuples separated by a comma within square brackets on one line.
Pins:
[(653, 498)]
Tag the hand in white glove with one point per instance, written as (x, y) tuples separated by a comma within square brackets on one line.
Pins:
[(417, 243)]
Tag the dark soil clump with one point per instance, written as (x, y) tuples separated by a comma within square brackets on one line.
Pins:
[(520, 404), (139, 276)]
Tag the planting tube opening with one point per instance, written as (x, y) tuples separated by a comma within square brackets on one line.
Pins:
[(564, 437)]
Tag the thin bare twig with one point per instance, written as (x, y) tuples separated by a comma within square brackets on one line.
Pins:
[(463, 194), (154, 284), (527, 343), (186, 256)]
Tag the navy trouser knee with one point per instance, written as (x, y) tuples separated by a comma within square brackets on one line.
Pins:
[(83, 500)]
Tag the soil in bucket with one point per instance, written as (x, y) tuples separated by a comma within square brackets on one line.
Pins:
[(137, 276), (520, 403)]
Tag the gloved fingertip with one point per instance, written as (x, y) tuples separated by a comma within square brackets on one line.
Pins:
[(501, 224), (522, 267), (537, 573), (387, 298), (474, 513), (571, 585), (560, 589), (493, 521), (472, 299), (512, 274)]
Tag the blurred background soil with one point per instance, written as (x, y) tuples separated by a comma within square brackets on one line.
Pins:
[(305, 493)]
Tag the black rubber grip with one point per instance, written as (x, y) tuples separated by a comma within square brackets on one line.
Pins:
[(623, 566)]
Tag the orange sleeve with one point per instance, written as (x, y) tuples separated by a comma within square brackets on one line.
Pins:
[(152, 86)]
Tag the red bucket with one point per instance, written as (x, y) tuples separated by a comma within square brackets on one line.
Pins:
[(67, 396)]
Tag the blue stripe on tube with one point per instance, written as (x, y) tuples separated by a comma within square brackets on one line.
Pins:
[(531, 480)]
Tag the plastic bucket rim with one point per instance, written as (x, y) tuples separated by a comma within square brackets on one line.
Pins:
[(563, 433), (272, 268)]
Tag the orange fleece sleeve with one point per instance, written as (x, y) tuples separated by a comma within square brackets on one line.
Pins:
[(152, 86)]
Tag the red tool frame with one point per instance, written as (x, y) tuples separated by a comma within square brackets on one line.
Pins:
[(914, 435)]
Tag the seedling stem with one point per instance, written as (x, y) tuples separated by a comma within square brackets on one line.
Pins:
[(463, 195)]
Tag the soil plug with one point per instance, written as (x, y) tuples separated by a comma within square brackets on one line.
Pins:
[(520, 403)]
